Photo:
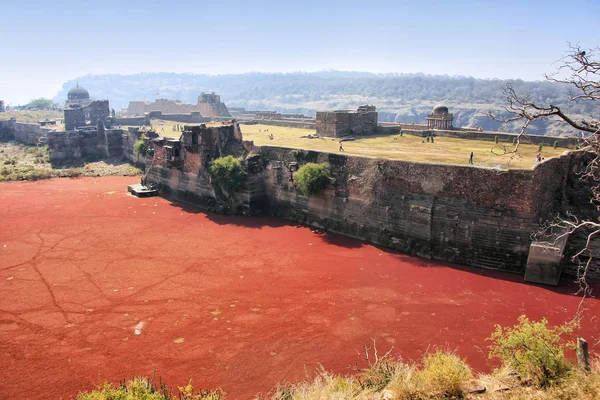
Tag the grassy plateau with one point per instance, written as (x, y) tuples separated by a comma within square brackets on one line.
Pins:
[(406, 147)]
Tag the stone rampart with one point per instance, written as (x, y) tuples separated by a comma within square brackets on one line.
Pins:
[(473, 216), (131, 121), (191, 118), (69, 146), (290, 124), (25, 133), (565, 142), (7, 131)]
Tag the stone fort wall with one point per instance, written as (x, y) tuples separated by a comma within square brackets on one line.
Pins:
[(73, 145), (472, 216), (469, 215), (342, 123), (191, 118), (22, 132)]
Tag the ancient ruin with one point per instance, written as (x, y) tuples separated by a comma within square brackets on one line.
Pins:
[(80, 110), (443, 212), (208, 105), (163, 105), (340, 123), (440, 118)]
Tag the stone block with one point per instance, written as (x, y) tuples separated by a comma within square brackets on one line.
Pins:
[(543, 264)]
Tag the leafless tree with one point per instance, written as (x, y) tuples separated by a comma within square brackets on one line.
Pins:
[(579, 71)]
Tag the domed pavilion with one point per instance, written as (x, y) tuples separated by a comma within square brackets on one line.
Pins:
[(78, 96), (440, 118)]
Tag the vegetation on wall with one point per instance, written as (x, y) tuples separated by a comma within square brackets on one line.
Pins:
[(228, 172), (311, 178), (140, 148)]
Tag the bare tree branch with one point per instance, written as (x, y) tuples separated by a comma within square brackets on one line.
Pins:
[(579, 72)]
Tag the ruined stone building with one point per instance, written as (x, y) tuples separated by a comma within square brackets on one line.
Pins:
[(165, 106), (80, 110), (340, 123), (440, 118), (209, 105)]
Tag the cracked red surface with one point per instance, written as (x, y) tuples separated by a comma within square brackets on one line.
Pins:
[(97, 285)]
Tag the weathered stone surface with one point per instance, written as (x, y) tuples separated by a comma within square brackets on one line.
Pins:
[(22, 132), (342, 123)]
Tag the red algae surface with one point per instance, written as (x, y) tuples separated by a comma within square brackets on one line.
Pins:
[(97, 285)]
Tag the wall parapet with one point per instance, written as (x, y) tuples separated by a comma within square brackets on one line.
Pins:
[(565, 142)]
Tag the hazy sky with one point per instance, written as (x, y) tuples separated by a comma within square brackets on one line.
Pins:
[(46, 43)]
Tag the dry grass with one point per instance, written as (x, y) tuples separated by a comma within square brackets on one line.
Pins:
[(443, 376), (32, 117), (407, 147), (20, 162)]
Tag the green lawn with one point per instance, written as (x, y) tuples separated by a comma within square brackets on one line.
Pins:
[(407, 147)]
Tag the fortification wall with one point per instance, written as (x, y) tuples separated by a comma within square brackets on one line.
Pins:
[(71, 146), (7, 131), (472, 216), (289, 124), (128, 139), (190, 118), (132, 121), (565, 142), (22, 132), (328, 123)]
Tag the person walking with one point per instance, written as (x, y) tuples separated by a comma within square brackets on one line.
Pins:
[(471, 158), (341, 146)]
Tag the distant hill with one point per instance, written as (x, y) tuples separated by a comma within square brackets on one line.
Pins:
[(398, 97)]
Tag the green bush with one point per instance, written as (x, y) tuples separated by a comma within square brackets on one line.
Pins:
[(444, 374), (312, 178), (228, 172), (297, 153), (515, 141), (532, 349), (540, 147), (555, 144), (140, 148)]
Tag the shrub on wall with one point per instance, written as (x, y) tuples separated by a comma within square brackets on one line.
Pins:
[(228, 172), (312, 178), (140, 148)]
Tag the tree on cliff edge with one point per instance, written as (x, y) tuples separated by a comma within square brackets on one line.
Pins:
[(579, 70)]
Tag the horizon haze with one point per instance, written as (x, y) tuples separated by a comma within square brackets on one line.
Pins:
[(48, 44)]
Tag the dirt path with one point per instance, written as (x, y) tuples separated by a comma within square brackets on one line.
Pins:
[(97, 285)]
